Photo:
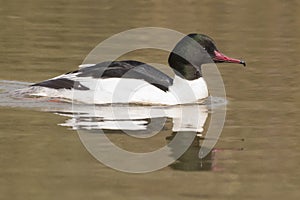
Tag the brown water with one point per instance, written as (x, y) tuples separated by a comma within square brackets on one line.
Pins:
[(42, 39)]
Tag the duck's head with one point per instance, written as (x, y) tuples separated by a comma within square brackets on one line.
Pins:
[(194, 50), (209, 45)]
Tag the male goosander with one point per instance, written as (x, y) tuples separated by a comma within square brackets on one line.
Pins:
[(130, 81)]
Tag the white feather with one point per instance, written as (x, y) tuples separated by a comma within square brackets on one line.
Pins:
[(85, 65)]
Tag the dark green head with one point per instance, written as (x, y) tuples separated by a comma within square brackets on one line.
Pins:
[(205, 41), (194, 50)]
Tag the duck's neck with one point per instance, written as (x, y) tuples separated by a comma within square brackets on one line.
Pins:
[(188, 85), (188, 70)]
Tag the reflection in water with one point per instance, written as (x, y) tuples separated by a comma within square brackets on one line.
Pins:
[(145, 122), (190, 161)]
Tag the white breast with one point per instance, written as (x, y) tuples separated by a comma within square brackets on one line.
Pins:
[(186, 91)]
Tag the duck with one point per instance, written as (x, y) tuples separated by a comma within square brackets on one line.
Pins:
[(135, 82)]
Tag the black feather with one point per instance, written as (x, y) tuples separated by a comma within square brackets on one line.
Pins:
[(128, 69), (61, 83)]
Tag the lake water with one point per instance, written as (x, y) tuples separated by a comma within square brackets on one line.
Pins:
[(257, 155)]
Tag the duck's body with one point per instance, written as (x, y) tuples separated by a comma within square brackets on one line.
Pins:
[(136, 82), (122, 82)]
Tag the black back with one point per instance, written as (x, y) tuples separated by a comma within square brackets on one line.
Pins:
[(117, 69)]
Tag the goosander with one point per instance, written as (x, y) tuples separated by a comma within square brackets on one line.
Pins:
[(130, 81)]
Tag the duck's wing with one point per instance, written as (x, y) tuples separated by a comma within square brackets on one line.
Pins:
[(116, 69)]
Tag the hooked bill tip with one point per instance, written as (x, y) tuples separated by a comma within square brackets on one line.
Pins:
[(243, 63)]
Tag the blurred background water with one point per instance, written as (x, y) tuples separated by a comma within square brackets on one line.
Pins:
[(258, 153)]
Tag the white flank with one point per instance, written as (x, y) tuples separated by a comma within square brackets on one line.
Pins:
[(123, 90)]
